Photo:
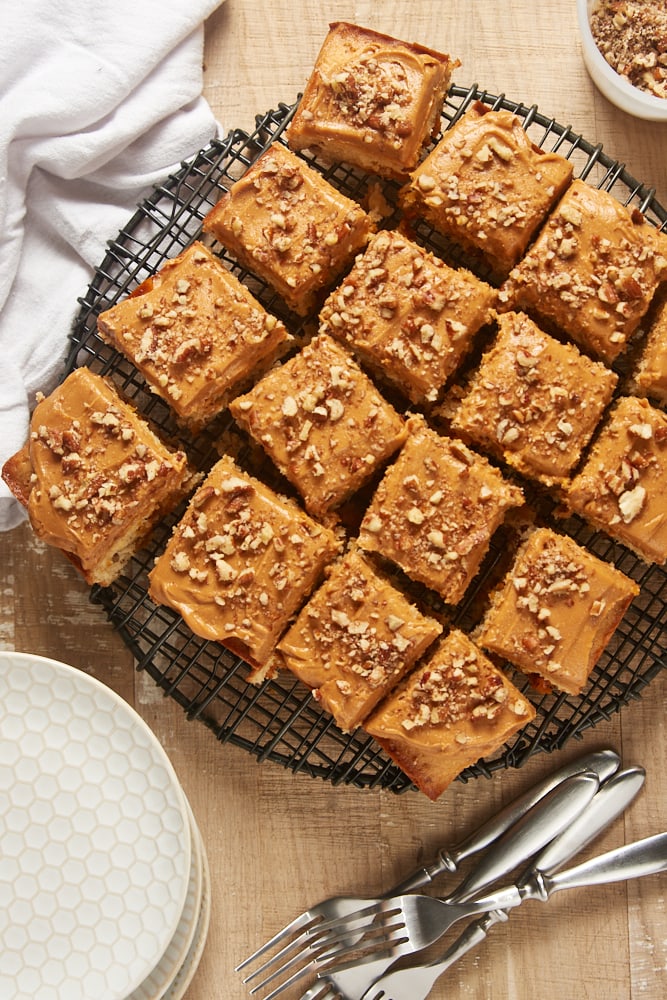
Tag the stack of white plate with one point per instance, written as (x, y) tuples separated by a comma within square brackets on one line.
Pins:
[(104, 889)]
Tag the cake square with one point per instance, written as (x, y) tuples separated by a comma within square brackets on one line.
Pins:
[(447, 714), (487, 187), (240, 563), (371, 100), (650, 373), (407, 315), (322, 422), (195, 333), (622, 486), (354, 640), (435, 511), (556, 610), (94, 477), (592, 271), (534, 402), (284, 222)]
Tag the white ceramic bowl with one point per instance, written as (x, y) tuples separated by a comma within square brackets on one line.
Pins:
[(617, 90)]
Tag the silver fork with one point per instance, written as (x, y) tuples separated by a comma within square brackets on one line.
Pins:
[(416, 981), (331, 941), (406, 934), (602, 762)]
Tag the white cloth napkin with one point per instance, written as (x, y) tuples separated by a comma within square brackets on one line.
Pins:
[(99, 101)]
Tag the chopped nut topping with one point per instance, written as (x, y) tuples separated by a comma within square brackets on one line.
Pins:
[(462, 686), (631, 503), (631, 36)]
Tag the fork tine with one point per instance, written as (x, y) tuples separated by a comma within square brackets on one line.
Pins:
[(356, 936), (295, 925), (306, 939), (339, 946), (361, 917), (311, 967), (370, 921)]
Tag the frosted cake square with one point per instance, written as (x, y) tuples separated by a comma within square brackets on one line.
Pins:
[(240, 562), (592, 271), (195, 333), (649, 377), (407, 315), (556, 610), (622, 487), (355, 639), (452, 710), (487, 187), (322, 422), (534, 402), (285, 223), (94, 477), (371, 100), (435, 511)]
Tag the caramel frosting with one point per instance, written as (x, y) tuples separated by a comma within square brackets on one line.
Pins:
[(240, 562), (534, 402), (592, 271), (448, 713), (436, 509), (288, 225), (99, 476), (622, 487), (650, 375), (323, 423), (195, 333), (486, 186), (556, 610), (356, 637), (371, 100), (407, 315)]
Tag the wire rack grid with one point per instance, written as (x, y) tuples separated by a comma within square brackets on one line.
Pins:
[(279, 721)]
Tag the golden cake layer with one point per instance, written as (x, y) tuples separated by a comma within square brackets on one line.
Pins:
[(93, 476), (622, 487), (371, 100), (532, 401), (284, 222), (556, 610), (435, 511), (487, 187), (454, 709), (323, 423), (407, 315), (195, 333), (592, 271), (240, 562), (354, 640)]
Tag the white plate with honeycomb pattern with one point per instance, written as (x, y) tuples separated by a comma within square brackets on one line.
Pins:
[(95, 838), (168, 969)]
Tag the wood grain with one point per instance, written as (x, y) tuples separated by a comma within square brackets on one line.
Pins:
[(276, 841)]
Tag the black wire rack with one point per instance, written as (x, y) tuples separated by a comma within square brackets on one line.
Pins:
[(279, 721)]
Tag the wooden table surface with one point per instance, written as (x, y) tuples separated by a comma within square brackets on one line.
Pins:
[(276, 841)]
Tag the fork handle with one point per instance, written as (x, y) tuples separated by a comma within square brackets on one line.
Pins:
[(602, 762), (642, 857), (531, 834)]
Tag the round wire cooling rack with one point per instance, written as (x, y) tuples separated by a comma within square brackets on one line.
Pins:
[(279, 721)]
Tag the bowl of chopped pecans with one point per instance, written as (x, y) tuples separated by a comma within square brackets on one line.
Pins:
[(623, 46)]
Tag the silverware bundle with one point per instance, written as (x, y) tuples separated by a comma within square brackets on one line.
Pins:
[(349, 946)]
